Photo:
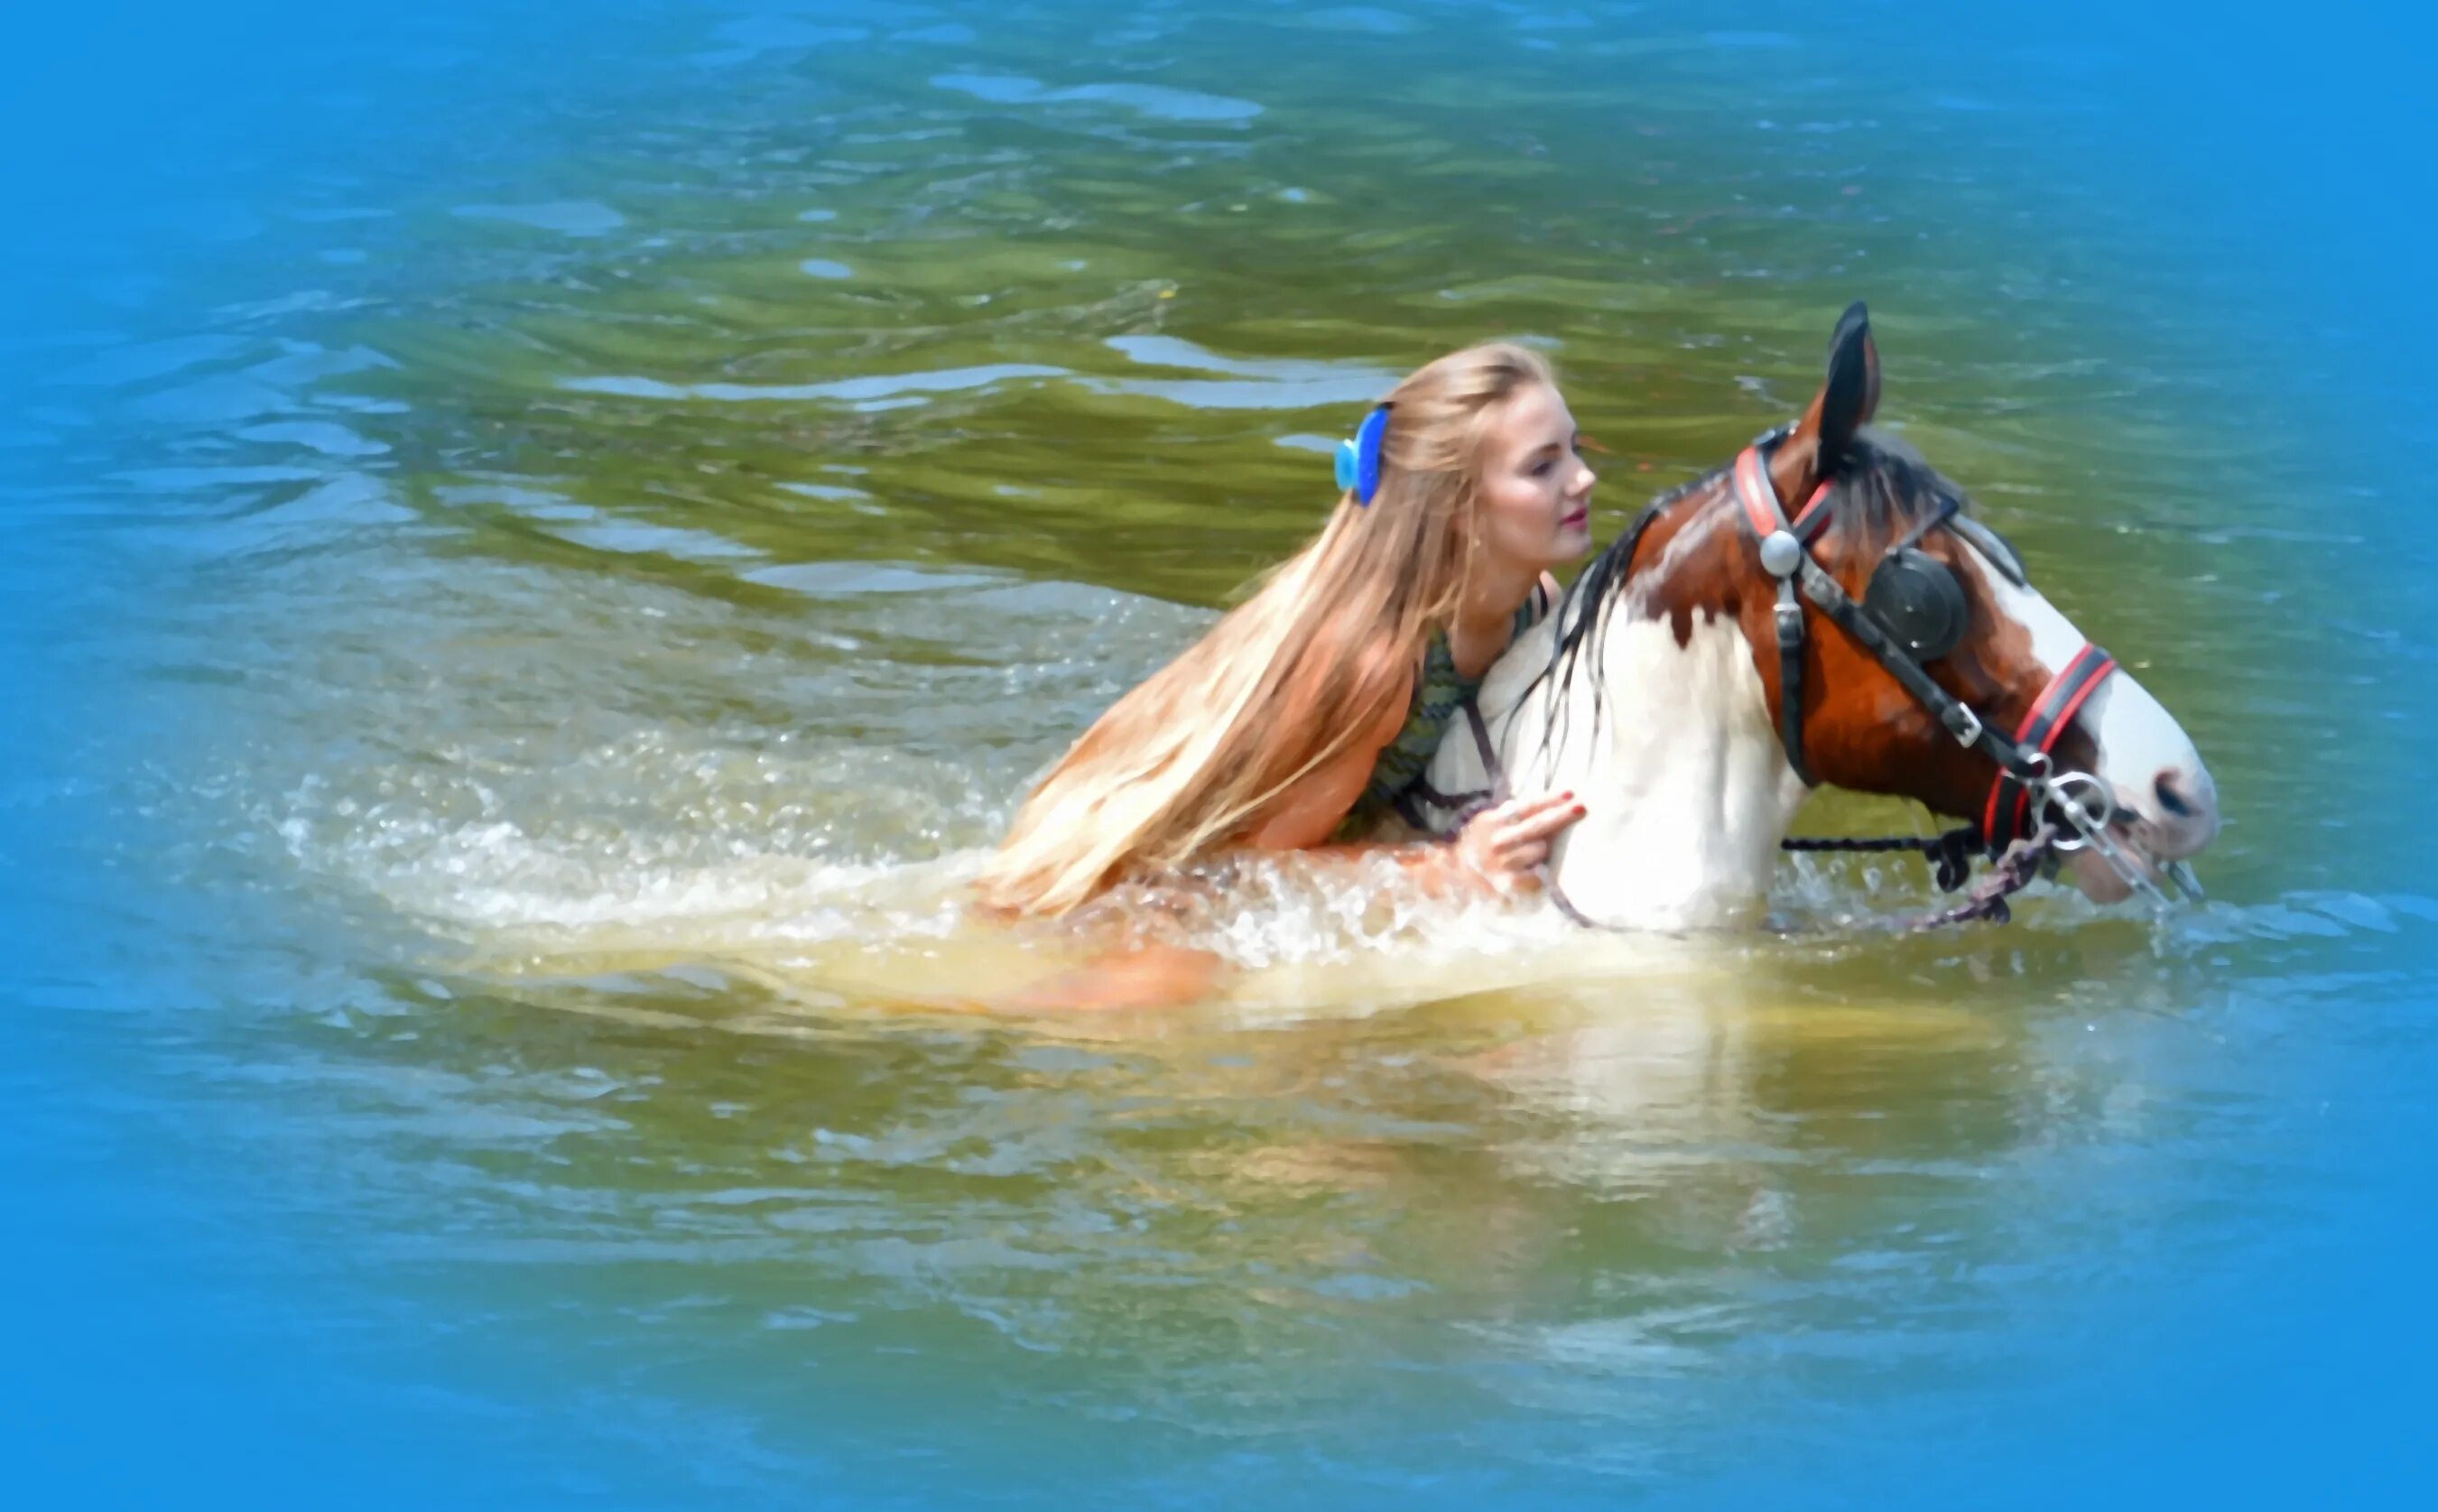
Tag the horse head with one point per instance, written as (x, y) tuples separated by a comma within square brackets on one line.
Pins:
[(1917, 567), (1826, 610)]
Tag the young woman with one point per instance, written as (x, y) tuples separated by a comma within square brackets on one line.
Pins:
[(1306, 710)]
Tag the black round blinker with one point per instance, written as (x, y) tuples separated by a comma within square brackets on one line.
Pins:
[(1918, 599)]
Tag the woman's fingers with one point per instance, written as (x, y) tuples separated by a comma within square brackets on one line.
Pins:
[(1505, 844), (1514, 837), (1539, 821), (1515, 810), (1533, 823)]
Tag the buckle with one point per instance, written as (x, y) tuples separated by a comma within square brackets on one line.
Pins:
[(1965, 725)]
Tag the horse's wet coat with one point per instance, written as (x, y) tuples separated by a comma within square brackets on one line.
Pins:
[(1652, 695), (2132, 738)]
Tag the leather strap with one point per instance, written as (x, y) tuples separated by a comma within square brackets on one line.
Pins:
[(1491, 765), (2014, 759), (1500, 791), (1758, 496), (2008, 811), (1790, 680)]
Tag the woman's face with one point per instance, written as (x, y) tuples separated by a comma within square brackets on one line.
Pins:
[(1536, 494)]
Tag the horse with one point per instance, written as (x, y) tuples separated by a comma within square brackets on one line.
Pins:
[(1823, 609)]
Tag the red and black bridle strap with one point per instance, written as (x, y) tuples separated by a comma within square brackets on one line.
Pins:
[(1758, 496), (2008, 811), (2021, 763)]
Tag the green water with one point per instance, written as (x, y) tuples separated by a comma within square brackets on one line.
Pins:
[(632, 570)]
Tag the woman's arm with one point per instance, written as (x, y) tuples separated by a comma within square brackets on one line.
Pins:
[(1311, 810), (1500, 849)]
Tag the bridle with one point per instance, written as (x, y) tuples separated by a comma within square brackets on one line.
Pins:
[(1913, 611)]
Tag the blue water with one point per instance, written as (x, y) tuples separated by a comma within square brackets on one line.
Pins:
[(214, 1297)]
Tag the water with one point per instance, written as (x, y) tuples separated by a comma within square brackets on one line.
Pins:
[(540, 577)]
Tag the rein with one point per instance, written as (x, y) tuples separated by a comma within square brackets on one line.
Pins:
[(2028, 787), (2016, 831), (1952, 852)]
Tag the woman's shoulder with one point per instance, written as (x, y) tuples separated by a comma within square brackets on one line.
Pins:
[(1387, 673), (1383, 674), (1317, 803)]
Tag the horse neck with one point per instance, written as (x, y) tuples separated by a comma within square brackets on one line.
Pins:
[(1663, 731)]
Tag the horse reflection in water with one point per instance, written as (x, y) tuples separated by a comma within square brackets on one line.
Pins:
[(1694, 697)]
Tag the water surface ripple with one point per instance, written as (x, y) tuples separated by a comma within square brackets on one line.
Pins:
[(559, 625)]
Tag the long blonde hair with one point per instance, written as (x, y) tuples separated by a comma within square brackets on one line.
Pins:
[(1286, 680)]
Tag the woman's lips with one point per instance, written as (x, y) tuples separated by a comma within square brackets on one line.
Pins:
[(1581, 516)]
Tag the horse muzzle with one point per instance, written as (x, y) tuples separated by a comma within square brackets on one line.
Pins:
[(2155, 828)]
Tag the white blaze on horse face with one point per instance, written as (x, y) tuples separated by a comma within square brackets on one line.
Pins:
[(2144, 755)]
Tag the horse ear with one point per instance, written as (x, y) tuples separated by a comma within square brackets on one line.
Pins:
[(1843, 405), (1853, 391)]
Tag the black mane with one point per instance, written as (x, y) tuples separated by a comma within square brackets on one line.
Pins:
[(1884, 488), (1881, 490)]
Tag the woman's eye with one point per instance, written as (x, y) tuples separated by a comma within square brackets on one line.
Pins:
[(1541, 469)]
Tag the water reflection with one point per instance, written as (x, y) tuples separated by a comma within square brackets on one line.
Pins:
[(1567, 1204)]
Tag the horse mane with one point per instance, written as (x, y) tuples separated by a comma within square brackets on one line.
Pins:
[(1882, 489), (1885, 489)]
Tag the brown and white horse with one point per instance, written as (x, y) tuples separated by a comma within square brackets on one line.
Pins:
[(1833, 563)]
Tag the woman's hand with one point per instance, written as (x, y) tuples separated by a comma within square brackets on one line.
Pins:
[(1505, 844)]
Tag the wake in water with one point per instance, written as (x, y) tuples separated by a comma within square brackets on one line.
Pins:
[(543, 777), (840, 871), (547, 775), (639, 778)]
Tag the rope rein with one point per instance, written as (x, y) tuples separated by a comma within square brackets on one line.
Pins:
[(2008, 875), (1950, 853)]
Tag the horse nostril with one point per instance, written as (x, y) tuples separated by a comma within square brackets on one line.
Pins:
[(2173, 802)]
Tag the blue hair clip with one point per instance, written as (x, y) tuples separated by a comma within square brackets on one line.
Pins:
[(1358, 460)]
